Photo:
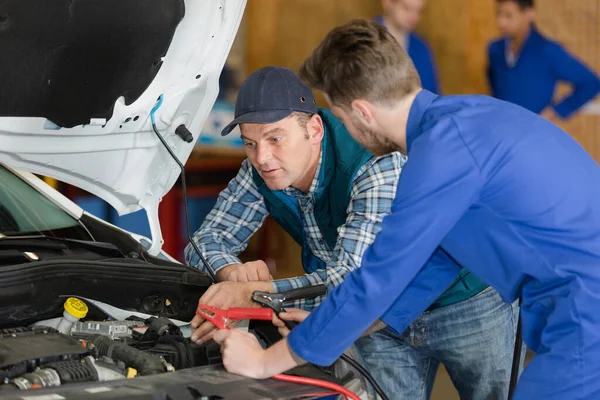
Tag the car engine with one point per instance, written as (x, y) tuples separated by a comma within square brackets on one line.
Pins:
[(40, 356)]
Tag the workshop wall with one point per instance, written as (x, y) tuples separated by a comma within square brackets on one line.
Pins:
[(280, 32)]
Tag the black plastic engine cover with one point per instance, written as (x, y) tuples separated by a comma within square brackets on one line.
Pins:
[(22, 350), (69, 60)]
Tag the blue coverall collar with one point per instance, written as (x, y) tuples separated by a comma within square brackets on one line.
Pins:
[(417, 110)]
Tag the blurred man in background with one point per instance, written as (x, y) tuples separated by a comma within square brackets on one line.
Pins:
[(401, 18), (524, 66)]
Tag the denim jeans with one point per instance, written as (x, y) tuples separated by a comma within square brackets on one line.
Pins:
[(474, 339)]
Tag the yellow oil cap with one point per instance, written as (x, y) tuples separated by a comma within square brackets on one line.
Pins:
[(131, 373), (76, 307)]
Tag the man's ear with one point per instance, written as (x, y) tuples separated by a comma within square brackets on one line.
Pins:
[(315, 129), (363, 110)]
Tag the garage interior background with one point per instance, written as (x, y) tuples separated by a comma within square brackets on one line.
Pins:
[(283, 32)]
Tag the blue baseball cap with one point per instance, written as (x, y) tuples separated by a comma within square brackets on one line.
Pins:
[(271, 94)]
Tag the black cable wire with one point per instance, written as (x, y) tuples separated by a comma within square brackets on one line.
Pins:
[(185, 205), (353, 363), (514, 373), (366, 374)]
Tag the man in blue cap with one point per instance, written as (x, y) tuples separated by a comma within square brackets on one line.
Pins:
[(307, 172), (524, 66), (504, 192)]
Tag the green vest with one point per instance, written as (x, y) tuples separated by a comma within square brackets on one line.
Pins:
[(342, 158)]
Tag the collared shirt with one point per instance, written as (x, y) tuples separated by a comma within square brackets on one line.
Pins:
[(306, 203), (509, 55), (240, 211), (509, 196)]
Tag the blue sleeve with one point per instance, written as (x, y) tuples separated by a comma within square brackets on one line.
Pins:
[(586, 83), (434, 191), (429, 284)]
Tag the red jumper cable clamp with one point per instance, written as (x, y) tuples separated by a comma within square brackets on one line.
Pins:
[(220, 318)]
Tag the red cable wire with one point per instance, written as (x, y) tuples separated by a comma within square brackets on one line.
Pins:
[(318, 394), (317, 382)]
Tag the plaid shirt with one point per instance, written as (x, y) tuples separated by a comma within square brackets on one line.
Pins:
[(240, 211)]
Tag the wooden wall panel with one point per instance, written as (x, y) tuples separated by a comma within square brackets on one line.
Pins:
[(284, 32), (458, 32)]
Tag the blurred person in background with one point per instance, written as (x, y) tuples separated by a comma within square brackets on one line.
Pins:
[(524, 66), (401, 18)]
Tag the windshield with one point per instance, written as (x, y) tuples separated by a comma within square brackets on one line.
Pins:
[(25, 211)]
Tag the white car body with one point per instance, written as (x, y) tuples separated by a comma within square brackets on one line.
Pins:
[(120, 160)]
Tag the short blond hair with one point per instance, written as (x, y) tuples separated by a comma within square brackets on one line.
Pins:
[(360, 59)]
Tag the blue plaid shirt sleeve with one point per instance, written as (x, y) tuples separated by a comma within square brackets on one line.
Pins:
[(238, 213), (372, 195)]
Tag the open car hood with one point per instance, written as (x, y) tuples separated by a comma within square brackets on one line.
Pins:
[(80, 78)]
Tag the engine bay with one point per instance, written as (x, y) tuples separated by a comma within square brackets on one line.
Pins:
[(62, 351), (119, 328), (141, 356)]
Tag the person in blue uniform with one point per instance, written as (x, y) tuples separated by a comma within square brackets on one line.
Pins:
[(524, 66), (401, 17), (504, 192)]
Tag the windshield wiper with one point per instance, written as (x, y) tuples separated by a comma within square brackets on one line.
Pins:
[(55, 243)]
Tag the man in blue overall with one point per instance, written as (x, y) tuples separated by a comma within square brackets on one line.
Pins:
[(401, 18), (525, 66), (504, 192), (331, 194)]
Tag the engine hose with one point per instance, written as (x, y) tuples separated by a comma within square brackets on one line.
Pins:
[(145, 364)]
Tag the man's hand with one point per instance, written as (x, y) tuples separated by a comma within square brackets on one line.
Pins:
[(291, 314), (247, 272), (225, 295), (243, 355)]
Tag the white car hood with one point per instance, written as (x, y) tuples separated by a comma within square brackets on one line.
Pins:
[(119, 158)]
